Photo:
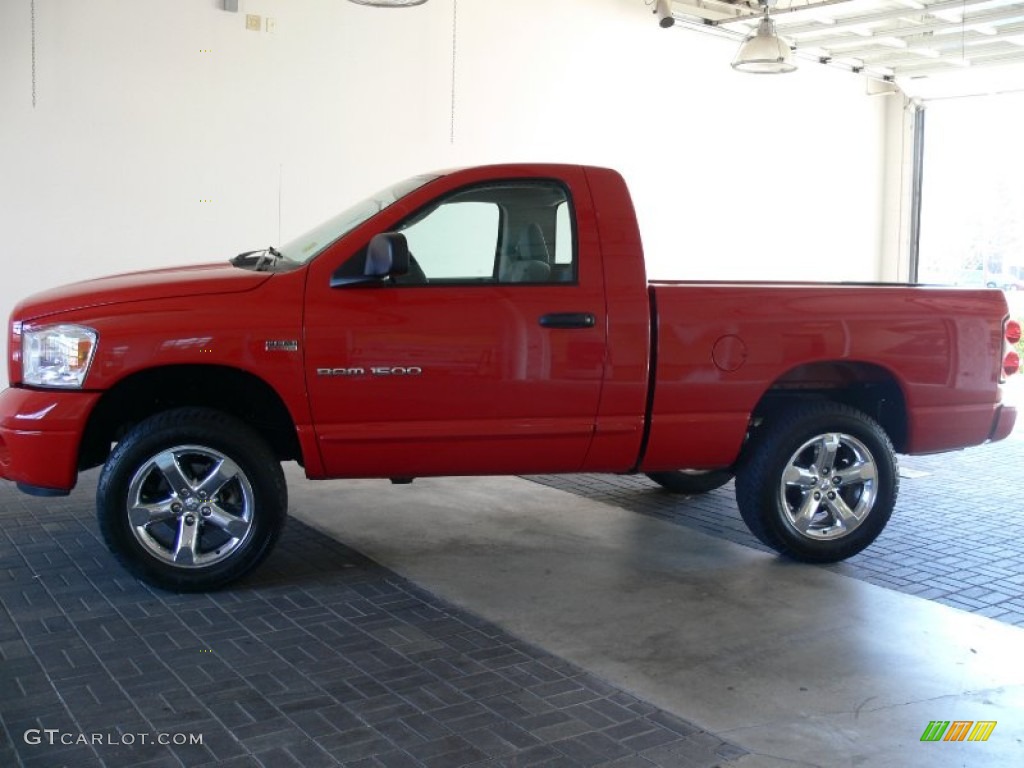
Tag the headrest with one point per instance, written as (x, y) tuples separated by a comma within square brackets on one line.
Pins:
[(531, 246)]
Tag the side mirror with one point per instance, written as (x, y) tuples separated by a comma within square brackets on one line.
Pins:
[(387, 255)]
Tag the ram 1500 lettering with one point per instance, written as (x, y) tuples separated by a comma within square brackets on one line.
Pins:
[(492, 320)]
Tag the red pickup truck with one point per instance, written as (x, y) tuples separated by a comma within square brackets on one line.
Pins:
[(492, 320)]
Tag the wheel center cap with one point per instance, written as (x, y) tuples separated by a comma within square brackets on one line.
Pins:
[(191, 503)]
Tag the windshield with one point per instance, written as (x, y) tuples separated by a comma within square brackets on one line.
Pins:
[(308, 245)]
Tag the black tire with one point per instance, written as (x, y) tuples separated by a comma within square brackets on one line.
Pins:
[(218, 527), (791, 500), (691, 481)]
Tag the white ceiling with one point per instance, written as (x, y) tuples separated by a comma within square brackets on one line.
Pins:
[(897, 40)]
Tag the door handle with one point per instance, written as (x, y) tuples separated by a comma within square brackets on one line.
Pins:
[(568, 320)]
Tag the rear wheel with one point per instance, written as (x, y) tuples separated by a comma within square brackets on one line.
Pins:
[(191, 500), (691, 481), (819, 482)]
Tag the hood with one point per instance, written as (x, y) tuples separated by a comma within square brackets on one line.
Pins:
[(198, 280)]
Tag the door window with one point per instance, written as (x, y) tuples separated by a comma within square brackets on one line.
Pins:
[(507, 233), (457, 240)]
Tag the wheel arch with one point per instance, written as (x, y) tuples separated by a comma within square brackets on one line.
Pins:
[(239, 393), (870, 388)]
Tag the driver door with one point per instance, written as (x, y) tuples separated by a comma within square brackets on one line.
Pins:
[(487, 358)]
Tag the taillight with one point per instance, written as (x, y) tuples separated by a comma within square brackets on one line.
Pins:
[(1012, 331), (1011, 360), (1011, 363)]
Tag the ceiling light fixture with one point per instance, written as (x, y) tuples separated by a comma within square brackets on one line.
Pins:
[(663, 10), (763, 52), (389, 3)]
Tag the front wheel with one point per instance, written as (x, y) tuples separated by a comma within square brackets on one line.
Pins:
[(191, 499), (819, 482)]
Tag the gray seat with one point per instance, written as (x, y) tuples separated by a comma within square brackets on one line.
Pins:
[(529, 261)]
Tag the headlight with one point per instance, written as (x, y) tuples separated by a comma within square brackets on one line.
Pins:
[(57, 355)]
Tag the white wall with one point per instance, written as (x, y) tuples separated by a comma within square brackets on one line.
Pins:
[(734, 176)]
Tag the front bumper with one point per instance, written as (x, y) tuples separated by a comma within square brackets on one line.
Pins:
[(40, 432)]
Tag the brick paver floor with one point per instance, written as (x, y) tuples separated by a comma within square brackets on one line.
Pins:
[(320, 658)]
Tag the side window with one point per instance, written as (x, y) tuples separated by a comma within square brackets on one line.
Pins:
[(564, 255), (456, 240), (507, 233)]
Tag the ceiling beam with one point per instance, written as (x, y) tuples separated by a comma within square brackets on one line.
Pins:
[(985, 17), (796, 27), (953, 58), (946, 65), (972, 40)]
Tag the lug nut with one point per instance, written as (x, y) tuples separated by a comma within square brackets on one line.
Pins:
[(817, 496), (206, 511), (190, 519), (176, 508), (831, 495)]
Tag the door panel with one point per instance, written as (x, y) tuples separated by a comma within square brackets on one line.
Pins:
[(455, 373)]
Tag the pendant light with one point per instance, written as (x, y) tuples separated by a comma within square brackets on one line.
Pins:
[(763, 52)]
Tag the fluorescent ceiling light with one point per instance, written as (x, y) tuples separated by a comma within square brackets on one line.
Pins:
[(890, 42), (389, 3)]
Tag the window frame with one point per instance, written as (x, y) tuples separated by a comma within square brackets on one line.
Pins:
[(493, 281)]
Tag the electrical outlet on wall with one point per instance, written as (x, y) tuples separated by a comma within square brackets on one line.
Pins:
[(253, 22), (271, 25)]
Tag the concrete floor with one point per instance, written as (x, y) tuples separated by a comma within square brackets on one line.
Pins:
[(798, 665), (939, 544)]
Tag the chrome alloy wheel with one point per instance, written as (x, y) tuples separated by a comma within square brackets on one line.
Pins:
[(190, 506), (829, 486)]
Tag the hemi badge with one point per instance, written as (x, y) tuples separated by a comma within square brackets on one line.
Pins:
[(283, 345)]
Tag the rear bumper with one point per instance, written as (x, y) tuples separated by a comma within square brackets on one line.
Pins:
[(40, 432), (1002, 424)]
